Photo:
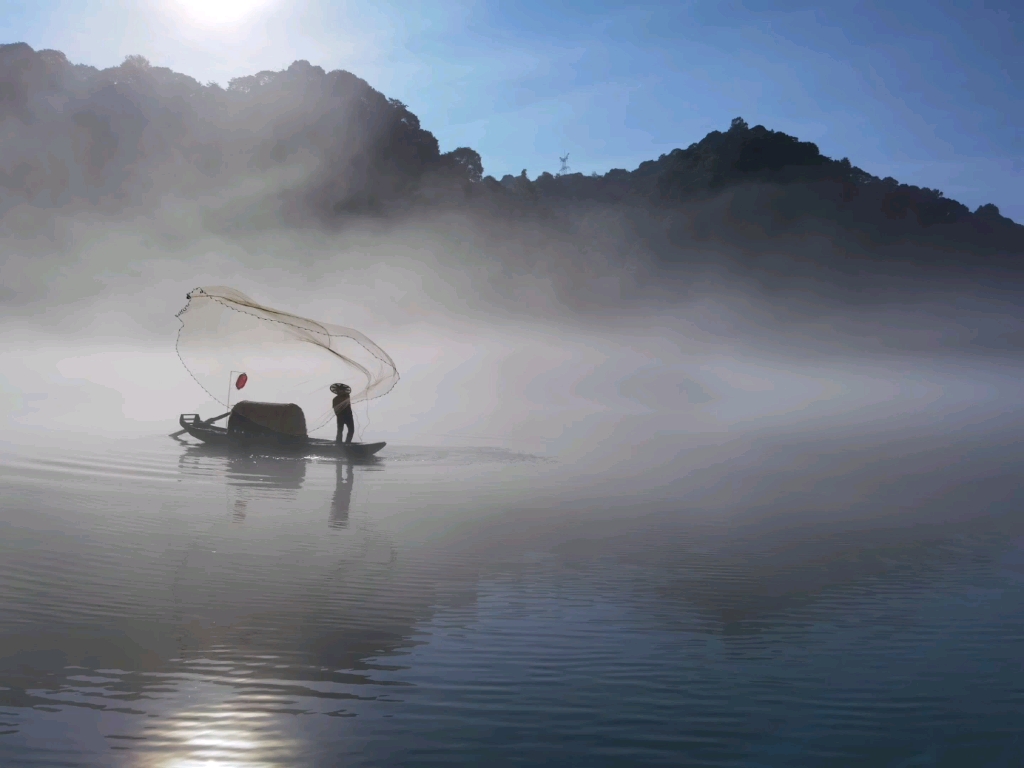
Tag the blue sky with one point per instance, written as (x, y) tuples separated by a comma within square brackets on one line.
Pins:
[(927, 92)]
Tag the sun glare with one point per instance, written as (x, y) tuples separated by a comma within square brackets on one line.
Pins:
[(218, 12)]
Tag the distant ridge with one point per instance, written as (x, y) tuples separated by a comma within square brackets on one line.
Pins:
[(77, 135), (799, 181)]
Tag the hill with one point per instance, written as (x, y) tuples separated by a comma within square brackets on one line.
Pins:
[(74, 133), (119, 138), (797, 183)]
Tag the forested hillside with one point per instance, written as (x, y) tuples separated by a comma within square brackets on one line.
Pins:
[(74, 136)]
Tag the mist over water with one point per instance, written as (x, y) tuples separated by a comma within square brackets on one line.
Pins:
[(656, 490)]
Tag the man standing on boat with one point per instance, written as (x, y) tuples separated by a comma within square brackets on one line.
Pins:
[(343, 410)]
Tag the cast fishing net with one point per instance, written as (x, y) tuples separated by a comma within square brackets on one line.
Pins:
[(285, 358)]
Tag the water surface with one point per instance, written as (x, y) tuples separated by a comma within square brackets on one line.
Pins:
[(799, 602)]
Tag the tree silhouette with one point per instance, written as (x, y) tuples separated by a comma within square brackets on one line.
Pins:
[(466, 162)]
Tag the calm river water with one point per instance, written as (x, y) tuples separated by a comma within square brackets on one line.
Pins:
[(171, 605)]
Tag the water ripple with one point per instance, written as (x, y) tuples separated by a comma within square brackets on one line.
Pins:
[(175, 606)]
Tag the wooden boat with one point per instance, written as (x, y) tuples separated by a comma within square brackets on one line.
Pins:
[(276, 443)]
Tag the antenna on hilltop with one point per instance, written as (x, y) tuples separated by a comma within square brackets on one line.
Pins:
[(565, 165)]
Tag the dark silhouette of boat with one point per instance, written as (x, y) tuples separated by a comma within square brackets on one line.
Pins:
[(267, 440)]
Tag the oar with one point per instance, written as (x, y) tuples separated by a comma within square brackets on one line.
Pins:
[(181, 432)]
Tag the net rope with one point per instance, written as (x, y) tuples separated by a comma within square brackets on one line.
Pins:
[(287, 357)]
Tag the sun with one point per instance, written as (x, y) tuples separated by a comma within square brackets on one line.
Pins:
[(218, 12)]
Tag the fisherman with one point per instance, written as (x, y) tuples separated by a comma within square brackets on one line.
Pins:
[(343, 410)]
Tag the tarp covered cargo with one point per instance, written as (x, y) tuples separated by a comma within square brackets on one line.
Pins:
[(250, 417)]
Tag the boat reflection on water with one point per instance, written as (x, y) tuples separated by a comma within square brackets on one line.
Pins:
[(244, 468), (280, 473), (250, 476)]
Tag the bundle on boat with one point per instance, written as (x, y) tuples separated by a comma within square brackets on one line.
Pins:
[(282, 421)]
